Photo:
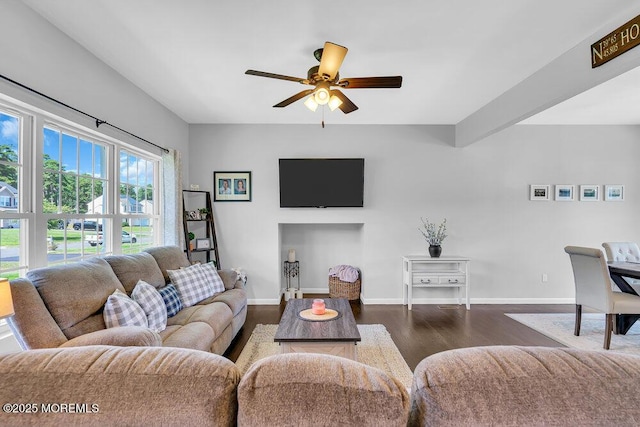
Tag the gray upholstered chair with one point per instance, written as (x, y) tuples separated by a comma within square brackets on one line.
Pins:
[(624, 252), (594, 289)]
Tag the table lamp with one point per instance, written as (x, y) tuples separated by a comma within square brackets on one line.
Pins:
[(6, 303)]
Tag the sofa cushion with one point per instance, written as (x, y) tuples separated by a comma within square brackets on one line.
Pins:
[(211, 273), (169, 258), (131, 268), (125, 336), (326, 390), (171, 299), (236, 299), (152, 303), (195, 335), (192, 284), (120, 310), (509, 385), (75, 292), (217, 315)]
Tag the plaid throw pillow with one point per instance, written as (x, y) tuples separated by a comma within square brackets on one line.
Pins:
[(192, 284), (171, 300), (153, 305), (211, 273), (120, 310)]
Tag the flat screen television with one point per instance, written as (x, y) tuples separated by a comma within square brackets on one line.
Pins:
[(321, 183)]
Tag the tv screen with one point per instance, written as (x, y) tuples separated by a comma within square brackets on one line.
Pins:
[(321, 183)]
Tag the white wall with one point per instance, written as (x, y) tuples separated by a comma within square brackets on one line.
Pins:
[(413, 171), (38, 55)]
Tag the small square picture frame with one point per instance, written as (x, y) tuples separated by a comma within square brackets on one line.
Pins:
[(539, 192), (589, 193), (614, 193), (203, 244), (565, 192)]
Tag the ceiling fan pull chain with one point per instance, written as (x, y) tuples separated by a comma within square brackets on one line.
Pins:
[(323, 117)]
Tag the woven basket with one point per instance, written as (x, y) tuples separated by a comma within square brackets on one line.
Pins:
[(340, 289)]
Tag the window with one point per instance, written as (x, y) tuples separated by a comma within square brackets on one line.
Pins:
[(138, 180), (74, 181), (75, 212), (12, 261)]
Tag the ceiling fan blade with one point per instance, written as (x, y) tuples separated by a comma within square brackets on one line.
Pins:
[(391, 82), (294, 98), (347, 106), (276, 76), (332, 57)]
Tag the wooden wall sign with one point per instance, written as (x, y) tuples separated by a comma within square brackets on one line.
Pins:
[(616, 43)]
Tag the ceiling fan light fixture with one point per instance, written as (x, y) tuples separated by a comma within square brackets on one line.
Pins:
[(311, 103), (321, 95), (334, 102)]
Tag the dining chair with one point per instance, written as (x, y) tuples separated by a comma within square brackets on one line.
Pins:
[(594, 289), (624, 252)]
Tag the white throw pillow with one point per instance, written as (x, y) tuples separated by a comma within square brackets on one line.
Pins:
[(192, 284), (211, 273), (120, 310), (153, 305)]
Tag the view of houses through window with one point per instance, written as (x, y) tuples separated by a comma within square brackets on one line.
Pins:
[(92, 196)]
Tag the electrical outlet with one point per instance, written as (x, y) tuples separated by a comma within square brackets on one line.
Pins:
[(545, 278)]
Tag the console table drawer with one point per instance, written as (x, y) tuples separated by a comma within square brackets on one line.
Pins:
[(452, 280), (425, 279)]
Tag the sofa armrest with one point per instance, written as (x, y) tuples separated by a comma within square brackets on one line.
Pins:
[(125, 336), (231, 279), (105, 385)]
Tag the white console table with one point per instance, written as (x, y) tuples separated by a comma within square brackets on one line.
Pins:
[(423, 271)]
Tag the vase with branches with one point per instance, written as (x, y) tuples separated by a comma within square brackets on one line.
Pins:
[(434, 235)]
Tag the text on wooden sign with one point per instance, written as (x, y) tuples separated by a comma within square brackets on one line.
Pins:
[(616, 43)]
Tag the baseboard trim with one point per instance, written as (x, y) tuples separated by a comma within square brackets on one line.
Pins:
[(523, 301), (437, 301), (432, 301), (267, 301)]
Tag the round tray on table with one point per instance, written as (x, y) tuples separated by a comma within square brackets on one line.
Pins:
[(329, 314)]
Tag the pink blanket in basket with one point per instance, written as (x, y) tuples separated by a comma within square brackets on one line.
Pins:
[(346, 273)]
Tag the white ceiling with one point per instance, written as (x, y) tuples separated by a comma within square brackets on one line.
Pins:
[(454, 56)]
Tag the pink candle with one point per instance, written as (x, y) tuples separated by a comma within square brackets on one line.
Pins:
[(318, 306)]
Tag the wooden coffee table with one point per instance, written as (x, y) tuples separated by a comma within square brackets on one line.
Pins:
[(338, 336)]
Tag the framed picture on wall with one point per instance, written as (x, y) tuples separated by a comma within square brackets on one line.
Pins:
[(232, 186), (565, 192), (614, 193), (589, 193), (539, 192)]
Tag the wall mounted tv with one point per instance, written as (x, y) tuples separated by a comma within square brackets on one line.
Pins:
[(321, 183)]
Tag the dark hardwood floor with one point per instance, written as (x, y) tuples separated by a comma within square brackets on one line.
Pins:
[(427, 329)]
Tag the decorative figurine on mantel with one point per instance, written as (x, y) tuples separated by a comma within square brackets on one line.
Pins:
[(434, 237)]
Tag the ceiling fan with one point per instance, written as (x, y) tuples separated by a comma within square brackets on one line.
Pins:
[(325, 77)]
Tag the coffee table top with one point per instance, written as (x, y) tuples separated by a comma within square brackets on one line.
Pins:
[(294, 329)]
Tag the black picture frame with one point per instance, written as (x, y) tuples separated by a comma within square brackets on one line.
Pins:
[(232, 186)]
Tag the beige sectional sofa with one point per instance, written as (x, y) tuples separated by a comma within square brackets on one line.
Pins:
[(483, 386), (62, 306)]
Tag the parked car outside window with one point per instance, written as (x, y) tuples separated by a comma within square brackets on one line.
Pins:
[(96, 239), (88, 225)]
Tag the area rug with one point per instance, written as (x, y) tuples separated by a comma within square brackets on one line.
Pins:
[(559, 327), (376, 349)]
